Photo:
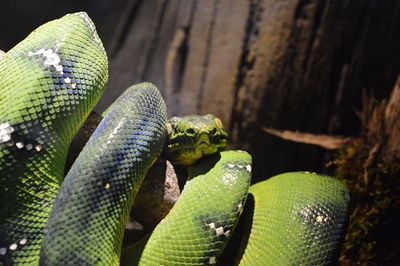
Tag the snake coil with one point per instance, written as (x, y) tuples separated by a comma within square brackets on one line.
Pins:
[(48, 85)]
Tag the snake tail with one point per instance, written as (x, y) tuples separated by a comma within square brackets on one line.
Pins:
[(203, 219), (296, 218), (87, 222), (49, 83)]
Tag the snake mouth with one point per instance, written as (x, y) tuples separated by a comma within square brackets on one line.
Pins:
[(203, 143), (203, 148)]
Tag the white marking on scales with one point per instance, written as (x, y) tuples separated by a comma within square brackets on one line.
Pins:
[(51, 58), (5, 132), (38, 148), (13, 246), (29, 146), (52, 61), (227, 233), (58, 68), (248, 168), (3, 251), (320, 219), (212, 260), (219, 231), (19, 145), (115, 131)]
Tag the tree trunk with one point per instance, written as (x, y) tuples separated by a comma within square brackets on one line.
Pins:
[(297, 65)]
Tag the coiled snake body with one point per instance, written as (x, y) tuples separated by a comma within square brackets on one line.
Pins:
[(48, 85)]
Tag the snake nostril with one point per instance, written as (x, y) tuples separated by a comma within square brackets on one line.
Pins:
[(189, 131)]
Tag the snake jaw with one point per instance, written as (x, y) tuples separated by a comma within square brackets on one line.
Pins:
[(203, 140), (193, 137)]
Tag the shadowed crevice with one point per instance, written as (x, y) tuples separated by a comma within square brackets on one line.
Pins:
[(233, 252)]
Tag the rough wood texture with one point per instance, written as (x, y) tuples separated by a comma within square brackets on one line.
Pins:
[(158, 194), (392, 123), (296, 65), (327, 142)]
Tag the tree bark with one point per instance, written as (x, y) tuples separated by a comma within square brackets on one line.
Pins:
[(297, 65)]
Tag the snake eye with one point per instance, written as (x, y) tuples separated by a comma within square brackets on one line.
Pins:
[(218, 122), (189, 131), (169, 129), (213, 131)]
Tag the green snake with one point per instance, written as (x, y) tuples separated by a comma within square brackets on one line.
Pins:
[(49, 83)]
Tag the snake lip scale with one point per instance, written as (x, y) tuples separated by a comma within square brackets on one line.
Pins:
[(49, 83)]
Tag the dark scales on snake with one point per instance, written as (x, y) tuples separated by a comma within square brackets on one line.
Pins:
[(49, 83)]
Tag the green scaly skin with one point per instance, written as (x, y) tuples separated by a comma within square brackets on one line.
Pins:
[(314, 208), (297, 218), (203, 219), (87, 223), (48, 84)]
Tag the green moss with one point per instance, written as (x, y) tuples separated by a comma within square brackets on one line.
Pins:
[(374, 184)]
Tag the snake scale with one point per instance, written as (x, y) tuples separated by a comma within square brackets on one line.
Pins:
[(49, 83)]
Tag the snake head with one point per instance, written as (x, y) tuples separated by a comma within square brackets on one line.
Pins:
[(192, 137)]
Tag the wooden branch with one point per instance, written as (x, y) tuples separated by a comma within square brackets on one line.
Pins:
[(172, 54), (157, 195), (392, 122), (325, 141)]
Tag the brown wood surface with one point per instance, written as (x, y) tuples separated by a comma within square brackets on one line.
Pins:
[(392, 123), (296, 65)]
